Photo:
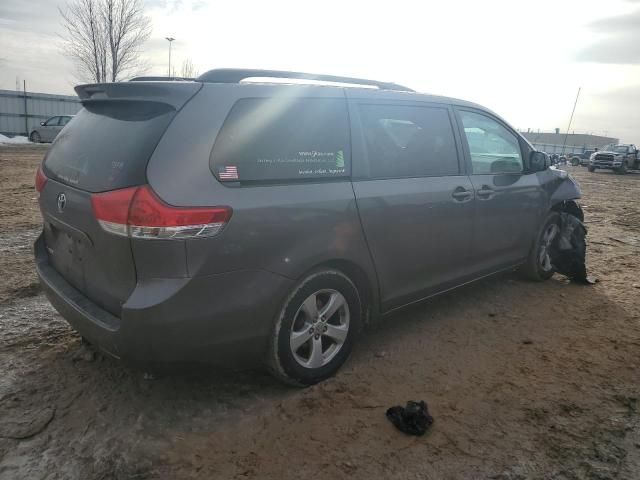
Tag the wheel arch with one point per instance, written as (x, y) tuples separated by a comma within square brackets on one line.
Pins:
[(571, 207), (367, 287)]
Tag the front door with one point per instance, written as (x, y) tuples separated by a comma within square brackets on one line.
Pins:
[(415, 204), (508, 201)]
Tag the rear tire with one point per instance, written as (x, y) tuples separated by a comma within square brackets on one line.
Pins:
[(316, 329), (538, 267)]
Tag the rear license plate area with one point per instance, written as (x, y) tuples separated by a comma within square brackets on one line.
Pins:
[(65, 253)]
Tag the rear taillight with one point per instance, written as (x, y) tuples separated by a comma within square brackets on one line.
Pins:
[(41, 179), (139, 213), (112, 209)]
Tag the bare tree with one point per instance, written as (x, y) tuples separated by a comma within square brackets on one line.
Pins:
[(84, 39), (188, 70), (104, 37)]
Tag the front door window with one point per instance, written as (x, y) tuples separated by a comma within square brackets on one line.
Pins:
[(492, 147)]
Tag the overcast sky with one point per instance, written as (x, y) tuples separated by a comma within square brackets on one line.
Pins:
[(523, 59)]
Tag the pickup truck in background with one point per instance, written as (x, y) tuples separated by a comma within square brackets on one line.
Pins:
[(576, 159), (619, 158), (584, 157)]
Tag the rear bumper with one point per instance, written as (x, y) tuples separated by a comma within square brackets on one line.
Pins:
[(216, 318)]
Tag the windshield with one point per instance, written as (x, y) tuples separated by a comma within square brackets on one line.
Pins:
[(621, 149)]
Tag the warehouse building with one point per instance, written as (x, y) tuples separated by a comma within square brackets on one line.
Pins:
[(573, 142), (20, 113)]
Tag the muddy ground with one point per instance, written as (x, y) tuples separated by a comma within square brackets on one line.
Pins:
[(525, 380)]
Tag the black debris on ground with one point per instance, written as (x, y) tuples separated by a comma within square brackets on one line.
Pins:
[(414, 419)]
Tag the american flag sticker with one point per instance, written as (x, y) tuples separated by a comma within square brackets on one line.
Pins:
[(228, 172)]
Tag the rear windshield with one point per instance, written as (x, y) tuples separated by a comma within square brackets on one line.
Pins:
[(107, 145), (283, 139)]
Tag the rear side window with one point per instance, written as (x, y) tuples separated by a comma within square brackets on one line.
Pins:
[(408, 141), (108, 145), (283, 140)]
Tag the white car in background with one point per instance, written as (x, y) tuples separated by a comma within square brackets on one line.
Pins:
[(49, 130)]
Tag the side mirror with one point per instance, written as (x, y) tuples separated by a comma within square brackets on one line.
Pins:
[(42, 124), (538, 161)]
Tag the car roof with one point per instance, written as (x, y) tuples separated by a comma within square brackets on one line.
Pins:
[(381, 89), (237, 75), (356, 88)]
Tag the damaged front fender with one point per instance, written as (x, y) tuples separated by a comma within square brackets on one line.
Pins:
[(568, 250), (559, 185)]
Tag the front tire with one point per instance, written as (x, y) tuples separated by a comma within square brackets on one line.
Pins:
[(592, 169), (35, 137), (622, 169), (316, 329), (538, 266)]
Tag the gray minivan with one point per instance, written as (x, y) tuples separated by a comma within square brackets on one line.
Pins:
[(220, 219)]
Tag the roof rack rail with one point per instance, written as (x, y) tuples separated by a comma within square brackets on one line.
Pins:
[(161, 79), (236, 75)]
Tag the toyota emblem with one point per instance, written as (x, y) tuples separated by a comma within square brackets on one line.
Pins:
[(62, 201)]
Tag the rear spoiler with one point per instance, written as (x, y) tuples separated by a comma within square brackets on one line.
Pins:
[(175, 94), (162, 79)]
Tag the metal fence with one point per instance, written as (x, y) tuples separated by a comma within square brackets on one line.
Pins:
[(545, 147), (20, 113)]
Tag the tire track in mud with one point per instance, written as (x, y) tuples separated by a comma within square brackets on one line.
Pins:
[(16, 242), (16, 261)]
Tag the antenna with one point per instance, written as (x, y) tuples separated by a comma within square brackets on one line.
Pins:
[(570, 120)]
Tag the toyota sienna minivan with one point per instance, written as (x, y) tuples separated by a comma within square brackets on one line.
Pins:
[(219, 218)]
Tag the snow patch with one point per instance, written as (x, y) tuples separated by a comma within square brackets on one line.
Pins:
[(14, 140)]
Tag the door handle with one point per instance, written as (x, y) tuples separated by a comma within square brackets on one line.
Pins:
[(485, 192), (461, 194)]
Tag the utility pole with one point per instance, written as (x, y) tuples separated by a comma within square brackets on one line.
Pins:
[(170, 39), (26, 113), (570, 120)]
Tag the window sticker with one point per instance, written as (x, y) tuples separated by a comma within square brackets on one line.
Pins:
[(303, 163), (228, 172)]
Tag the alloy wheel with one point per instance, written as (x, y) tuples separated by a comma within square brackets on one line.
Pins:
[(544, 258), (320, 328)]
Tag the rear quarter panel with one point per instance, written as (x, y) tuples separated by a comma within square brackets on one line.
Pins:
[(285, 229)]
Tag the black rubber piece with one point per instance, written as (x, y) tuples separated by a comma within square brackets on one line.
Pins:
[(414, 419)]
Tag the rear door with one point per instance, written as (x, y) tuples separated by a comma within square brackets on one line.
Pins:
[(63, 122), (414, 200), (105, 148), (508, 200), (48, 130), (55, 128)]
